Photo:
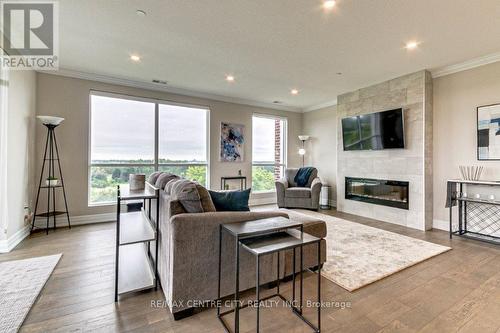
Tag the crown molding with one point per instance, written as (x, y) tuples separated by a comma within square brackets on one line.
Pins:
[(122, 81), (469, 64), (320, 106)]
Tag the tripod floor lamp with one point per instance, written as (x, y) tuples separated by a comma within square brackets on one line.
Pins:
[(52, 182)]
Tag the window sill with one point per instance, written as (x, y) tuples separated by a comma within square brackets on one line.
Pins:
[(101, 204), (264, 192)]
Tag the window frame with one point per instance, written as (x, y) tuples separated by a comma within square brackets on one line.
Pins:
[(155, 165), (284, 147)]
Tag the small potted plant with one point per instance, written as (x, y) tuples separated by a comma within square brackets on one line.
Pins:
[(52, 181)]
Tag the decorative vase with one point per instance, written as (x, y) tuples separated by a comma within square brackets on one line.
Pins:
[(137, 181)]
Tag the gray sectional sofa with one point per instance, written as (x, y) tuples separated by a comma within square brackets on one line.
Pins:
[(188, 256)]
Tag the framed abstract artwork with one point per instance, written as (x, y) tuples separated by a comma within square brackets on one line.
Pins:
[(232, 142), (488, 132)]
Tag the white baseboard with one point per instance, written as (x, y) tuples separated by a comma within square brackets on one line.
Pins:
[(77, 220), (441, 225), (10, 243)]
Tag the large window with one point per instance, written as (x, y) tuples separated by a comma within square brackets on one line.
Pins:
[(133, 135), (269, 146)]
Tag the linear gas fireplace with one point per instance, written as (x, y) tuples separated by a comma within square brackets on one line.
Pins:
[(390, 193)]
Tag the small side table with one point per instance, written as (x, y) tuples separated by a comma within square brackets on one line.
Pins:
[(266, 237), (242, 179)]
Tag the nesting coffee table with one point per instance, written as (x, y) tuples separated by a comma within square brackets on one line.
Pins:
[(265, 237)]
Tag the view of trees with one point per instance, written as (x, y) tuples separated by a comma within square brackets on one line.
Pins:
[(262, 178), (104, 180)]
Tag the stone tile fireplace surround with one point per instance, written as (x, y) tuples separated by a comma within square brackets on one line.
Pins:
[(413, 164)]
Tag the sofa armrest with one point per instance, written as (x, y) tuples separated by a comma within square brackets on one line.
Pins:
[(315, 192), (281, 186)]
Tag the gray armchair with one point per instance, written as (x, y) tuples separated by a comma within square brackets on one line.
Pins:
[(291, 196)]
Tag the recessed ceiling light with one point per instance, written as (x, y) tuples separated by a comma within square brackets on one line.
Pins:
[(229, 78), (140, 13), (135, 58), (411, 45), (329, 4), (294, 92)]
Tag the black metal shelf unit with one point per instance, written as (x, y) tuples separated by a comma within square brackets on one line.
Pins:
[(51, 155), (136, 265), (478, 219)]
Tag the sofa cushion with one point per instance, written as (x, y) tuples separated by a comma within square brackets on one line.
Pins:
[(153, 177), (230, 200), (206, 200), (186, 193), (164, 178), (298, 192)]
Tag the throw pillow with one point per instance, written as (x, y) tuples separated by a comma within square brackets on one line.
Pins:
[(206, 200), (186, 193), (230, 200), (153, 177)]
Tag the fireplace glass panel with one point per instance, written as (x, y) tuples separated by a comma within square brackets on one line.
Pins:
[(382, 192)]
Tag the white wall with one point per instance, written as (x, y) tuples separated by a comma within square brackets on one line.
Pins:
[(456, 98), (69, 98), (4, 99), (321, 126), (20, 147)]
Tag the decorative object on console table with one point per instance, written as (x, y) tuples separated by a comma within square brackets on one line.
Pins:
[(471, 172), (488, 127), (136, 268), (232, 142), (52, 182), (478, 218), (137, 181), (302, 151)]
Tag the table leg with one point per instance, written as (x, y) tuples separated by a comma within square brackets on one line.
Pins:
[(293, 279), (319, 286), (460, 213), (451, 221), (465, 216), (278, 274), (237, 287), (258, 291), (301, 267), (219, 275)]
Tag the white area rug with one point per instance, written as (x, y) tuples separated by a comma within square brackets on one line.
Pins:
[(358, 255), (20, 283)]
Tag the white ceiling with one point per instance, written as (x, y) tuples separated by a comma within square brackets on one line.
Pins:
[(272, 46)]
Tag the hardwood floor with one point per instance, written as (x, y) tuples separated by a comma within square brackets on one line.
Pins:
[(458, 291)]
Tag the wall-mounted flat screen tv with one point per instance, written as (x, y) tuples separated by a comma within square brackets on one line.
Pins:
[(374, 131)]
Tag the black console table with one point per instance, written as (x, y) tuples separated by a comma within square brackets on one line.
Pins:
[(136, 261), (242, 179), (478, 218)]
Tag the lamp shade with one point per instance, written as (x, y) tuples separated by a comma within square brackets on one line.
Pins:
[(303, 137), (50, 120)]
